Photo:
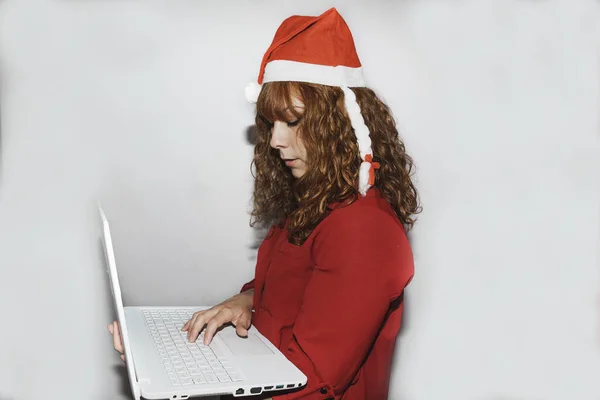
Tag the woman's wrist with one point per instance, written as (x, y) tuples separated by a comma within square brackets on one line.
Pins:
[(248, 295)]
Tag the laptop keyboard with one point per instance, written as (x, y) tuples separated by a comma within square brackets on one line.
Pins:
[(186, 363)]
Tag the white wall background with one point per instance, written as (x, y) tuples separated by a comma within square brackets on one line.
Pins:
[(140, 104)]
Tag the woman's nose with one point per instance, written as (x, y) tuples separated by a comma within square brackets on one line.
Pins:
[(279, 135)]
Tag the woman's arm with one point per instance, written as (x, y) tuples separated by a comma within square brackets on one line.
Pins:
[(359, 269)]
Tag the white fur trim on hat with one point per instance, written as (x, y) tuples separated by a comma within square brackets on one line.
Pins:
[(362, 137), (252, 92), (286, 70), (363, 177), (358, 123)]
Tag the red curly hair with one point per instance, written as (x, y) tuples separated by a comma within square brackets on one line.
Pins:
[(333, 158)]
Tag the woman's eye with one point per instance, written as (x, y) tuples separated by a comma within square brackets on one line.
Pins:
[(293, 123)]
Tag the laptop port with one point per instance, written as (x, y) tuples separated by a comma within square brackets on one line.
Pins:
[(239, 391), (268, 387), (290, 386), (255, 390), (279, 387)]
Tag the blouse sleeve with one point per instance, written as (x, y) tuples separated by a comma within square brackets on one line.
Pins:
[(247, 286), (357, 274)]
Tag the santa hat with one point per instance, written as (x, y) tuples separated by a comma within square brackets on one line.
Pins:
[(320, 50)]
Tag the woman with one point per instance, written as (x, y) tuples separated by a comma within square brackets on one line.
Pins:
[(333, 184)]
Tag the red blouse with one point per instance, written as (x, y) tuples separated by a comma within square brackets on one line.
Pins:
[(333, 306)]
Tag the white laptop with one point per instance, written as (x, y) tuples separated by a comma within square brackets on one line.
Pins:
[(162, 364)]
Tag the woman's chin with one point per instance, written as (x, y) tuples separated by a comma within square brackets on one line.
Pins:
[(297, 173)]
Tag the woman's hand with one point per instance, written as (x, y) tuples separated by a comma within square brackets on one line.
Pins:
[(117, 342), (237, 310)]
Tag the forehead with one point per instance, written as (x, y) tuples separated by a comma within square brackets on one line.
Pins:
[(280, 101)]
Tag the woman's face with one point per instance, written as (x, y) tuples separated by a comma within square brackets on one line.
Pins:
[(285, 139)]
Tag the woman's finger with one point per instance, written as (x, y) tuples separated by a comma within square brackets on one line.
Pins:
[(242, 325), (117, 342), (196, 327), (195, 330), (215, 323), (190, 322), (198, 324)]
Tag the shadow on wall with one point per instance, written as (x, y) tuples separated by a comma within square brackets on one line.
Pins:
[(1, 97), (510, 398), (2, 89), (251, 134), (124, 387)]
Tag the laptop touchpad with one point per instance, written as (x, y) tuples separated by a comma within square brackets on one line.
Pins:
[(248, 346)]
